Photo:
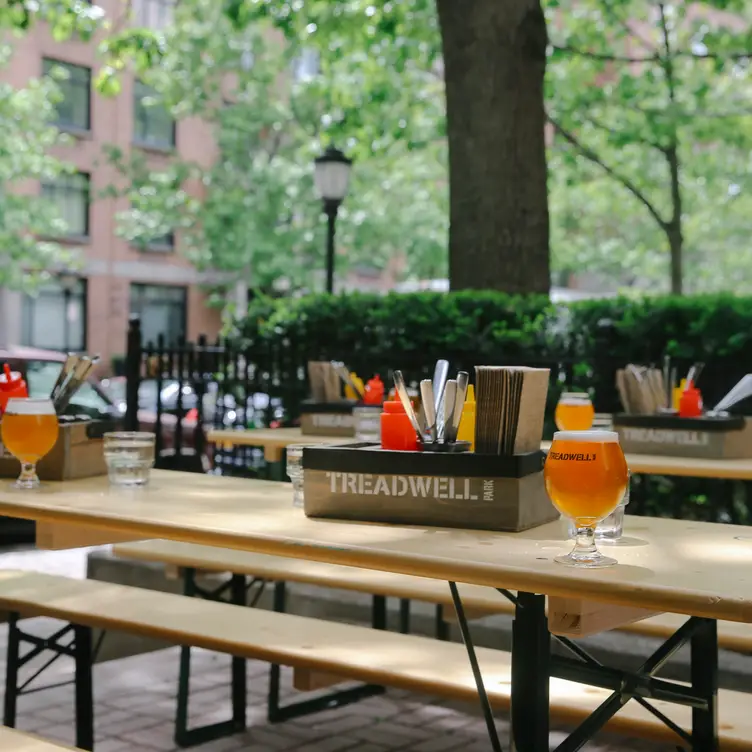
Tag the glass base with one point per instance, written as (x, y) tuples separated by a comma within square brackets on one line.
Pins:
[(590, 560), (26, 483)]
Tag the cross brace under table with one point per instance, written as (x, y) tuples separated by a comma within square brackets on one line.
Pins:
[(533, 665)]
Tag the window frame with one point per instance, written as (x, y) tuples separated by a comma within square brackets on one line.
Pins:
[(140, 287), (52, 187), (142, 13), (28, 315), (48, 63), (140, 91)]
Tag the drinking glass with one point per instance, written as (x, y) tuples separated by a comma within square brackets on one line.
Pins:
[(574, 412), (129, 456), (610, 528), (29, 430), (295, 472), (586, 476)]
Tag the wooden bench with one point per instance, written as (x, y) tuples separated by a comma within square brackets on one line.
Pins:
[(315, 647), (478, 601), (15, 741)]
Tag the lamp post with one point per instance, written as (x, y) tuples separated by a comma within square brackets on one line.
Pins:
[(331, 177), (68, 283)]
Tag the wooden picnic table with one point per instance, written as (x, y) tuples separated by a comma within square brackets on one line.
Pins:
[(698, 569), (275, 440)]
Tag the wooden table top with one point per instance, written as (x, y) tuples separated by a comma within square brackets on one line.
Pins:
[(647, 464), (272, 440), (695, 568), (263, 437)]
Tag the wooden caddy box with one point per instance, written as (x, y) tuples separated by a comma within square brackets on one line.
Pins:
[(328, 418), (78, 453), (721, 438), (464, 490)]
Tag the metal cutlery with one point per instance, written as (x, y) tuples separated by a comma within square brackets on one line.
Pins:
[(65, 372), (74, 381), (344, 374), (440, 374), (429, 408), (450, 394)]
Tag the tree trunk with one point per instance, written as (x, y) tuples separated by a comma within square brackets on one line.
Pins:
[(494, 66), (676, 248), (674, 227)]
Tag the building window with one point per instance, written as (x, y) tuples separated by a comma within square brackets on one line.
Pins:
[(71, 195), (153, 126), (162, 310), (55, 317), (153, 14), (163, 243), (74, 81)]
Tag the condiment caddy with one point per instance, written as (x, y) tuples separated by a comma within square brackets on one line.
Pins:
[(425, 473), (328, 413), (662, 418)]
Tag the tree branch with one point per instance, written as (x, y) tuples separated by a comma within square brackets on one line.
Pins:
[(607, 58), (591, 156), (611, 130)]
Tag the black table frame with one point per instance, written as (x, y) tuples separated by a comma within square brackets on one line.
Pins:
[(533, 665)]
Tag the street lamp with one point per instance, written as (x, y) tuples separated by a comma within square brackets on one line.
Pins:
[(331, 177), (68, 282)]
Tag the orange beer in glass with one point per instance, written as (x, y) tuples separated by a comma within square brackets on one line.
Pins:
[(574, 412), (586, 476), (29, 431)]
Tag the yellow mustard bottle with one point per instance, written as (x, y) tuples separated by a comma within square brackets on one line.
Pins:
[(349, 391), (466, 431)]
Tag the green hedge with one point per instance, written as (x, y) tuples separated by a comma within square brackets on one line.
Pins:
[(594, 337)]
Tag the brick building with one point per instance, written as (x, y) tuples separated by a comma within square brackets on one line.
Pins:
[(88, 307)]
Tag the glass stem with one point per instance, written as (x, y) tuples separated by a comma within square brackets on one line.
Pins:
[(28, 477), (585, 540)]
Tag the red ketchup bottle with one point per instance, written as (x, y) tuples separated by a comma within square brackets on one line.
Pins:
[(11, 385), (396, 430), (374, 391), (690, 402)]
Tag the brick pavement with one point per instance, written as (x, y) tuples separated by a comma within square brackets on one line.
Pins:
[(135, 704)]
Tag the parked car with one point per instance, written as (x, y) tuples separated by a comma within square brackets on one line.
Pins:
[(40, 369)]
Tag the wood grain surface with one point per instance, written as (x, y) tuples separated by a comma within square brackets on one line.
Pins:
[(696, 568), (16, 741), (272, 440)]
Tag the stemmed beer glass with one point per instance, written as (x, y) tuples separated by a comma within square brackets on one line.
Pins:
[(29, 430), (574, 412), (586, 476)]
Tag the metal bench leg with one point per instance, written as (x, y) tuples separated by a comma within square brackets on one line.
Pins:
[(704, 658), (185, 737), (277, 713), (79, 648), (83, 657), (442, 628), (11, 672), (405, 615), (531, 652)]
